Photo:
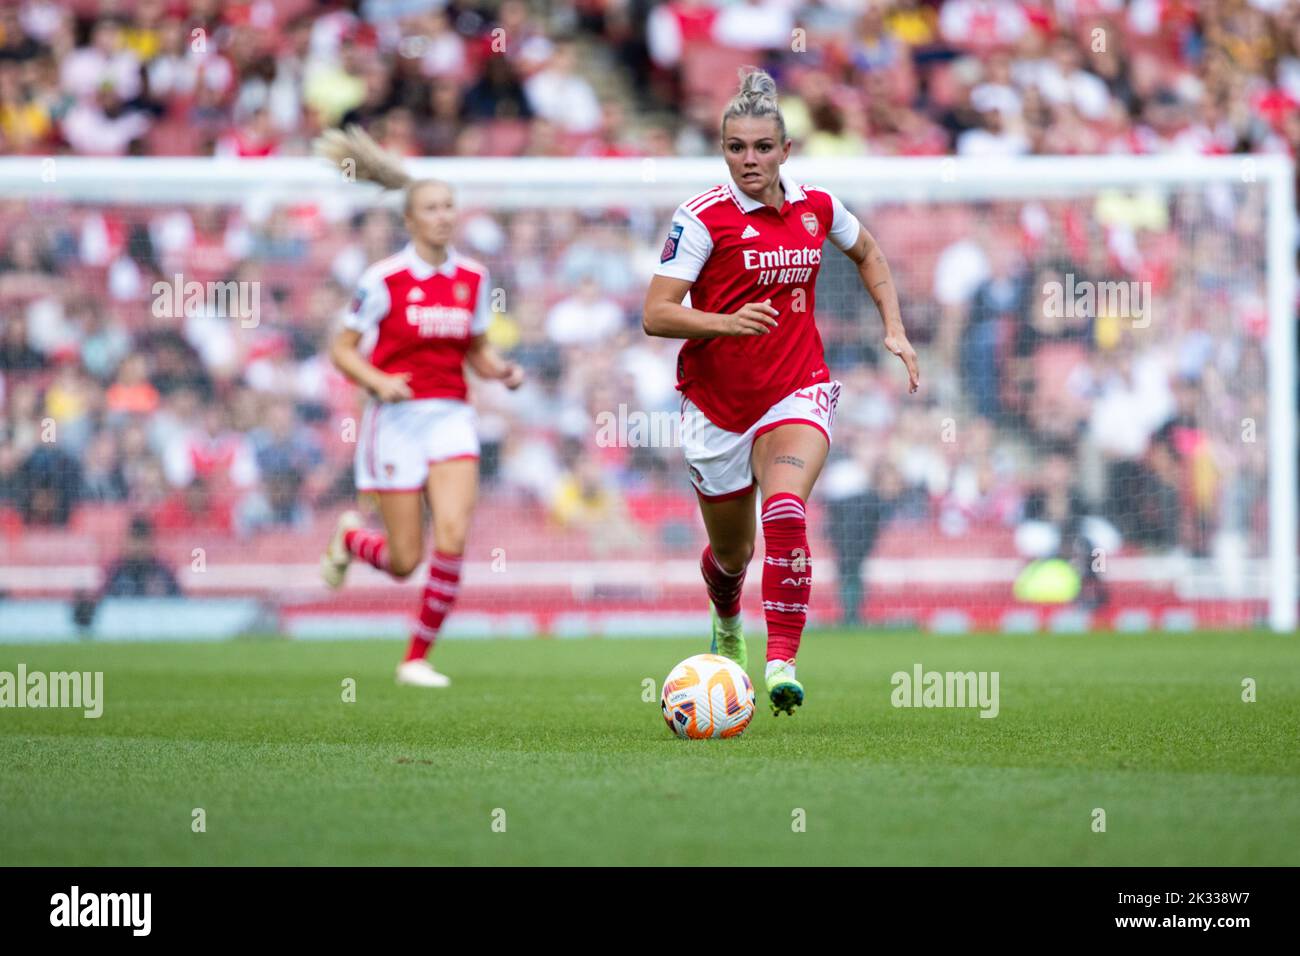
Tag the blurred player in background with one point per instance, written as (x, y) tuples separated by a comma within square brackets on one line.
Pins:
[(426, 310), (758, 400)]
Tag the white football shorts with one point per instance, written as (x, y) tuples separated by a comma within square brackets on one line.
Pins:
[(720, 461), (399, 440)]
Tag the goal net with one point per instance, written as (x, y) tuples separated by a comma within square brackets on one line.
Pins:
[(1104, 437)]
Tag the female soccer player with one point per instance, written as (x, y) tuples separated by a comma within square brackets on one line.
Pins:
[(758, 400), (427, 307)]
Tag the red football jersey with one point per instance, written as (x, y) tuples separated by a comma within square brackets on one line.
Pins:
[(424, 316), (738, 250)]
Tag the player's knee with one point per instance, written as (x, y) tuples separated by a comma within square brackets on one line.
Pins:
[(735, 558), (402, 563), (449, 535)]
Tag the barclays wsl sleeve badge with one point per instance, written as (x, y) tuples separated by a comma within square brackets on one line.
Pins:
[(670, 244)]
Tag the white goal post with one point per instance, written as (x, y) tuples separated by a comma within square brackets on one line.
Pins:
[(655, 184)]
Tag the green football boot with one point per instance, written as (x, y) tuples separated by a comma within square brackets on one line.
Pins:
[(783, 690), (728, 642)]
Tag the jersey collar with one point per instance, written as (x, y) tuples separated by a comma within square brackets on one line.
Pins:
[(792, 193), (423, 270)]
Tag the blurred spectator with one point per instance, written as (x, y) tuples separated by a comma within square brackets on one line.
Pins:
[(1053, 525), (131, 392), (332, 87), (175, 364), (105, 341), (139, 572), (101, 476), (585, 318), (49, 479), (559, 94), (754, 25), (26, 120), (255, 138), (212, 450), (857, 511), (16, 44), (103, 125), (278, 504), (12, 481), (996, 135), (498, 94), (106, 64), (283, 446), (70, 401), (15, 354), (1133, 402), (1147, 505), (996, 309), (586, 498), (982, 25), (195, 508)]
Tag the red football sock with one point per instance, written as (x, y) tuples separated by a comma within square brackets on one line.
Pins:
[(787, 574), (369, 546), (723, 586), (435, 602)]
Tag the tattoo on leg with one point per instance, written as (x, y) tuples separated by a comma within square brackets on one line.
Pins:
[(789, 460)]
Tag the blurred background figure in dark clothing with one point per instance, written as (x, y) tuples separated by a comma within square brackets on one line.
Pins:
[(1056, 524), (49, 480), (139, 572), (856, 516)]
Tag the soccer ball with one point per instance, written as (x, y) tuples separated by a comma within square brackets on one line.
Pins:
[(708, 696)]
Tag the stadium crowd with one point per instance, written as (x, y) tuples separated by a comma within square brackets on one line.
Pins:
[(630, 77), (1029, 421)]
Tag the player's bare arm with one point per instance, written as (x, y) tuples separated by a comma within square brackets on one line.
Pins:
[(349, 360), (876, 277), (488, 363), (665, 316)]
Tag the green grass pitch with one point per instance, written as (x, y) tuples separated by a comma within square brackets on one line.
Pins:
[(1150, 728)]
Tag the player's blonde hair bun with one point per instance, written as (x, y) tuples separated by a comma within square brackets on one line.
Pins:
[(756, 97)]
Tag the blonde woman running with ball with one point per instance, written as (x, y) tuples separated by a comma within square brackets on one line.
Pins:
[(757, 398)]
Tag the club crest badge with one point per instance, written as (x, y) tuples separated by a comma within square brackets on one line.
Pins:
[(810, 223)]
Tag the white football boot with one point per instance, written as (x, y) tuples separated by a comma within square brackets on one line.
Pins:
[(420, 673), (334, 562)]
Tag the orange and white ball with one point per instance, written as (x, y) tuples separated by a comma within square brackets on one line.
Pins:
[(708, 696)]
